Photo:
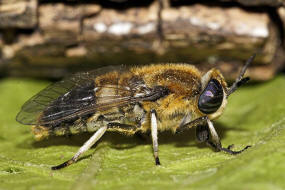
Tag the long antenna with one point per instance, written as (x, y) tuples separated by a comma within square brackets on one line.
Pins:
[(240, 80)]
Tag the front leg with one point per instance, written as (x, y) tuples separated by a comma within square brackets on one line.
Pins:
[(209, 135), (154, 136)]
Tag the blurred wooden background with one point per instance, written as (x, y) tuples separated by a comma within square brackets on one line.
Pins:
[(51, 38)]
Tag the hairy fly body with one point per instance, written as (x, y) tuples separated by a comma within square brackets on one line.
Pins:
[(128, 100)]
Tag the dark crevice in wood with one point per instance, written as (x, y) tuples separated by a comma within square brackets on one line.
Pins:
[(10, 35), (124, 4), (277, 21), (108, 4), (160, 21), (279, 57), (81, 20)]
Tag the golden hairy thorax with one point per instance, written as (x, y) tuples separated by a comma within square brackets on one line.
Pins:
[(181, 79), (184, 82)]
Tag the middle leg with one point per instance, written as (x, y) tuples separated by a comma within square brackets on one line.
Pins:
[(154, 136)]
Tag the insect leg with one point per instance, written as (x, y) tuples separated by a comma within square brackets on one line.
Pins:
[(200, 120), (154, 136), (87, 145), (216, 143), (214, 135), (202, 133), (208, 134)]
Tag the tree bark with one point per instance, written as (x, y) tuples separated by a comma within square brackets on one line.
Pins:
[(18, 14), (60, 38)]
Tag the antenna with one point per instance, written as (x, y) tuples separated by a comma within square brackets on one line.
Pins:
[(240, 80)]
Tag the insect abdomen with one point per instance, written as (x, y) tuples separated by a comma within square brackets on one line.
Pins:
[(126, 120), (42, 132)]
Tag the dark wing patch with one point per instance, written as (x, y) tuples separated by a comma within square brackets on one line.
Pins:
[(69, 103), (62, 99)]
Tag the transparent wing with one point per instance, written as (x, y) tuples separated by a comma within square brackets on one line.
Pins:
[(70, 98)]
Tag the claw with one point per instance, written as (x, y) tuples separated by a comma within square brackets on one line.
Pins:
[(157, 162), (63, 165), (228, 150), (230, 146)]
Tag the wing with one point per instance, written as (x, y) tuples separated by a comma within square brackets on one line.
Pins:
[(72, 97), (79, 96)]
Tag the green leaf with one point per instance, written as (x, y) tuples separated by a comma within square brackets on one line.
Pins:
[(255, 116)]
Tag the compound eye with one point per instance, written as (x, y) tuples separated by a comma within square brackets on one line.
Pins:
[(211, 98)]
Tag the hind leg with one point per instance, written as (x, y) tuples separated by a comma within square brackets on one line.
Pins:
[(87, 145)]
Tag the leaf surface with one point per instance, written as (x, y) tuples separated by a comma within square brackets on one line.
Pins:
[(255, 116)]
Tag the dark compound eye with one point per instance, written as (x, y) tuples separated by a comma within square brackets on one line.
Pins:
[(211, 98)]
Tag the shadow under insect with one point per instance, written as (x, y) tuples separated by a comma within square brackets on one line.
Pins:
[(120, 141)]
